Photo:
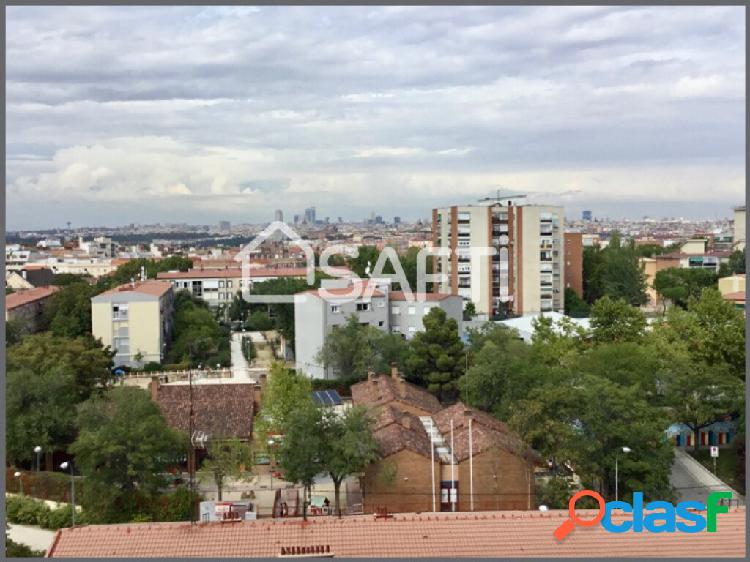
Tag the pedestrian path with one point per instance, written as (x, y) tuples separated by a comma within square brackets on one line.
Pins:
[(694, 482), (31, 536)]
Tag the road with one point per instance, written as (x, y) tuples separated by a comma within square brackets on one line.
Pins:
[(692, 481), (33, 537)]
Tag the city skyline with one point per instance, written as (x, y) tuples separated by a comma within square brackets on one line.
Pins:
[(186, 114)]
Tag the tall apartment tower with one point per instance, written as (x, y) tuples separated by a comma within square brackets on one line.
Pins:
[(527, 273), (278, 215)]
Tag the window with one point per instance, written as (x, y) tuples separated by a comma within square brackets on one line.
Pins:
[(412, 329), (221, 284), (396, 329), (412, 310), (380, 323), (395, 310), (363, 306), (336, 309), (229, 283), (119, 312), (122, 345), (426, 309)]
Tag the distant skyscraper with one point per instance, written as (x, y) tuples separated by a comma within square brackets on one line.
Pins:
[(296, 219), (225, 227), (378, 219), (587, 216), (310, 215), (278, 216), (396, 220)]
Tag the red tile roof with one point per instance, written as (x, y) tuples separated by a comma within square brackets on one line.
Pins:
[(737, 296), (22, 298), (400, 296), (220, 410), (486, 534), (384, 389), (233, 272), (148, 287), (395, 430), (486, 432)]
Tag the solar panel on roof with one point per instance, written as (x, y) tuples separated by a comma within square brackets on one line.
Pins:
[(327, 397)]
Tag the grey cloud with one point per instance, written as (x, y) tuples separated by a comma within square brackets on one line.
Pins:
[(301, 94)]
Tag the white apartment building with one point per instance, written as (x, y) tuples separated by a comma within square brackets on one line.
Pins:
[(316, 314)]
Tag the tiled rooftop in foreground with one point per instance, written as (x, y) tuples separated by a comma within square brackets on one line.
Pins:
[(486, 534)]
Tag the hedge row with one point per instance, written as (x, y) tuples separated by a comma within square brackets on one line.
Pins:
[(24, 510)]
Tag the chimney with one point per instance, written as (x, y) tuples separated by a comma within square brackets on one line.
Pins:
[(394, 372), (154, 388), (370, 375)]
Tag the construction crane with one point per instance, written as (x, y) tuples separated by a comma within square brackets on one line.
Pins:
[(499, 196)]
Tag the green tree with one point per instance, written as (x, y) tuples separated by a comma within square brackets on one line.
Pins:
[(366, 255), (123, 446), (349, 349), (227, 458), (678, 285), (303, 449), (588, 437), (285, 392), (46, 377), (197, 336), (616, 321), (575, 306), (437, 357), (470, 310), (349, 446), (714, 329), (735, 265), (68, 312), (352, 348), (615, 272)]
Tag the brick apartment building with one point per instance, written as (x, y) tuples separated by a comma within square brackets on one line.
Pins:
[(495, 464)]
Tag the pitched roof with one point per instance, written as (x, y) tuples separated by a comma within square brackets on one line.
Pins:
[(395, 430), (220, 410), (383, 389), (736, 296), (21, 298), (486, 432), (148, 287), (511, 534), (234, 272), (400, 296)]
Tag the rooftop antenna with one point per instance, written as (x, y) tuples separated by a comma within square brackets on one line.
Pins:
[(499, 196)]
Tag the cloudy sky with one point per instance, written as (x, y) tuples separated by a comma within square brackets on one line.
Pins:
[(119, 115)]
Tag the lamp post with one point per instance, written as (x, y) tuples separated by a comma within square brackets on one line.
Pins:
[(625, 450), (20, 482), (38, 451), (271, 443), (65, 466)]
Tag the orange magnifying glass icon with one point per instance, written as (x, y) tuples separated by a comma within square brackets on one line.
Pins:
[(563, 530)]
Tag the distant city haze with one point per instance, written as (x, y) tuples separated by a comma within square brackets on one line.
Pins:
[(121, 115)]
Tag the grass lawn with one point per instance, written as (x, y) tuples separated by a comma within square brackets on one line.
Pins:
[(726, 465)]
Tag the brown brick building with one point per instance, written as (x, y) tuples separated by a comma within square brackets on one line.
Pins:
[(574, 262), (494, 464)]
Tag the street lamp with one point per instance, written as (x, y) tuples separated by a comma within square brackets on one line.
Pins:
[(271, 443), (38, 451), (20, 482), (65, 466), (625, 450)]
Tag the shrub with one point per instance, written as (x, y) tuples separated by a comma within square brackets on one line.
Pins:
[(29, 511)]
